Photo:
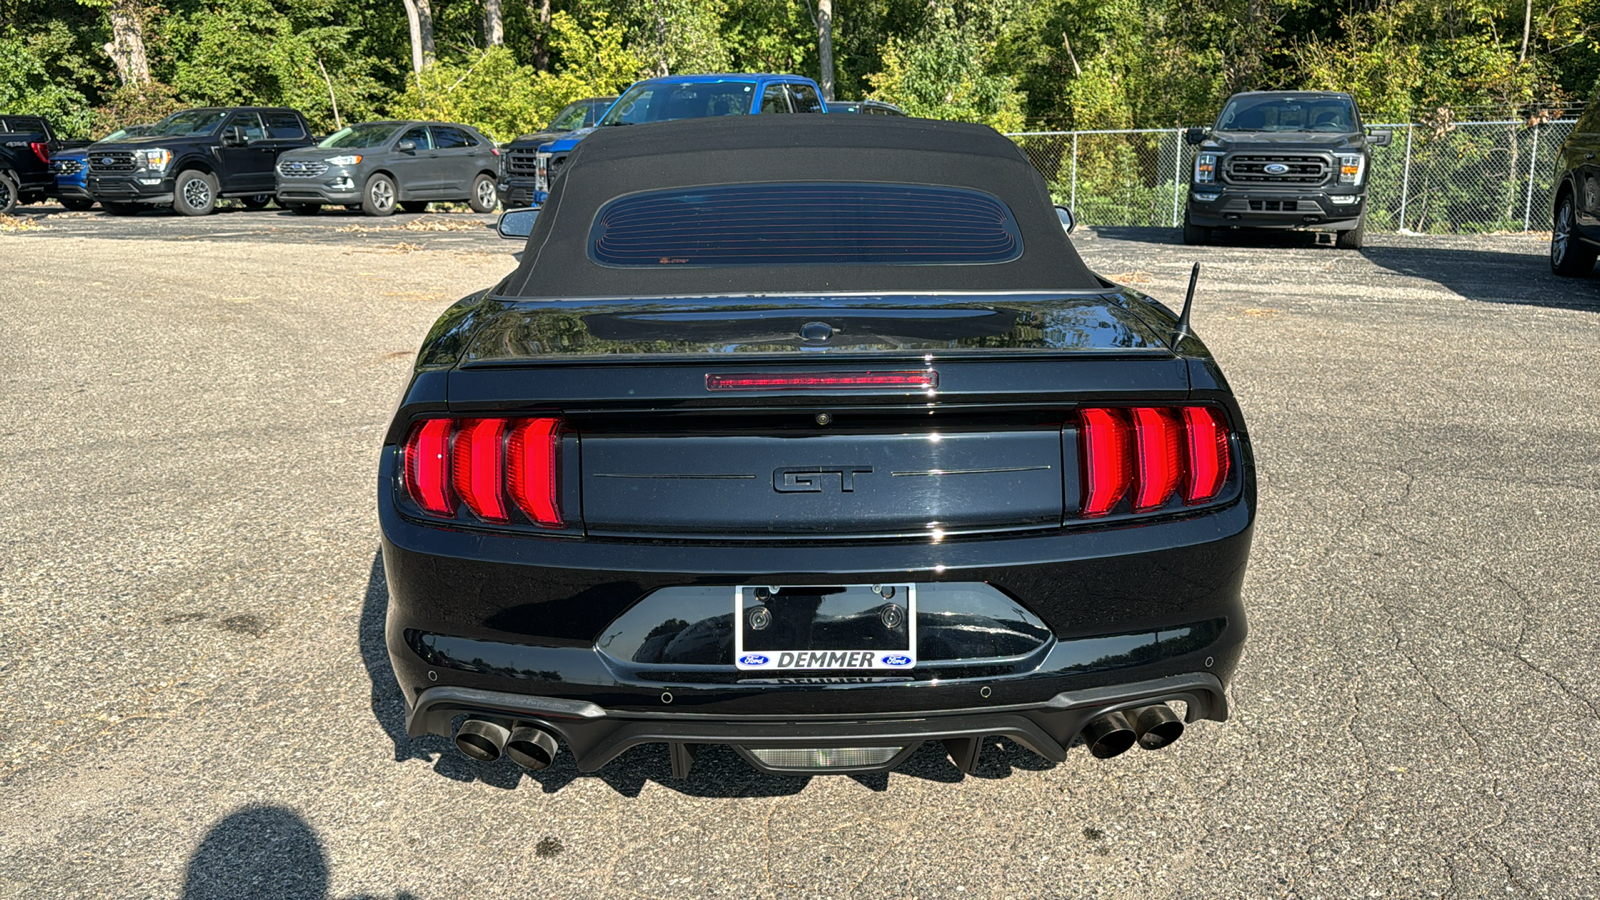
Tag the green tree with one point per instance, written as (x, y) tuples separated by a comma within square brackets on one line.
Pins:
[(946, 70)]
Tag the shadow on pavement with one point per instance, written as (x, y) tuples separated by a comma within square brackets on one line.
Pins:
[(261, 851), (1221, 237), (1491, 276), (718, 771)]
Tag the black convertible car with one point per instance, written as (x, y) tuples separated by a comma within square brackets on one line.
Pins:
[(816, 439)]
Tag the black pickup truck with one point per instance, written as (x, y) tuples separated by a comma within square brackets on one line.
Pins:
[(191, 159), (26, 143), (1282, 160)]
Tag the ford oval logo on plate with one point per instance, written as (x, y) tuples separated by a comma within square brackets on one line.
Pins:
[(752, 659), (1275, 169), (897, 660)]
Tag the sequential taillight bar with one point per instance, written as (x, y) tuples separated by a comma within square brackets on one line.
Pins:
[(483, 462), (1151, 454)]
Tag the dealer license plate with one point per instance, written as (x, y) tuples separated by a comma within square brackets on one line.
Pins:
[(853, 626)]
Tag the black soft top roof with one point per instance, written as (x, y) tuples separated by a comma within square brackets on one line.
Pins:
[(616, 161)]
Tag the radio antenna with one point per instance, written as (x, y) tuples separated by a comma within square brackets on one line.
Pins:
[(1188, 304)]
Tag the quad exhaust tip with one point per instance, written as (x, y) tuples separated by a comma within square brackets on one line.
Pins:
[(1109, 735), (531, 748), (482, 740), (1157, 726)]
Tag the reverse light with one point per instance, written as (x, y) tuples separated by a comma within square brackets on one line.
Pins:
[(1153, 454), (1205, 168), (912, 379), (1351, 167), (155, 160), (348, 159), (486, 465)]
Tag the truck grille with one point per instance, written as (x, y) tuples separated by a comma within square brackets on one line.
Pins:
[(522, 161), (301, 168), (102, 161), (1252, 169), (67, 166)]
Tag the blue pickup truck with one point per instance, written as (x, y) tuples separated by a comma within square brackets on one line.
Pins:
[(686, 97)]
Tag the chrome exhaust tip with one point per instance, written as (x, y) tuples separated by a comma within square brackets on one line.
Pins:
[(531, 748), (1109, 735), (482, 740), (1156, 726)]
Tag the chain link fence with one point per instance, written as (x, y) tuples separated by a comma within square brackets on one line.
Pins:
[(1459, 177)]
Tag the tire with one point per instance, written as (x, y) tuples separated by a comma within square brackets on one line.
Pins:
[(305, 209), (377, 198), (414, 206), (8, 193), (1354, 238), (1195, 235), (259, 201), (483, 199), (120, 209), (77, 204), (194, 193), (1570, 257)]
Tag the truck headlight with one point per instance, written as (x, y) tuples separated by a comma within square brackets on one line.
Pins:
[(153, 160), (349, 160), (1205, 168), (1351, 167)]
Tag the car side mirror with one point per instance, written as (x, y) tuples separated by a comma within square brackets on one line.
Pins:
[(1065, 215), (517, 223), (406, 146), (1380, 138), (1194, 137), (235, 136)]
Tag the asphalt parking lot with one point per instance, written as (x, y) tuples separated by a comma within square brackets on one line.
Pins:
[(196, 700)]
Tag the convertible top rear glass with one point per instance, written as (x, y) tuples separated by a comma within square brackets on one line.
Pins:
[(958, 201), (805, 225)]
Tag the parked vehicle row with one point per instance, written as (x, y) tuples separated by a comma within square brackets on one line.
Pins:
[(378, 166)]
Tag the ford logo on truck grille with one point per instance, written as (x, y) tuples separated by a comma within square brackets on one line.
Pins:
[(1275, 169)]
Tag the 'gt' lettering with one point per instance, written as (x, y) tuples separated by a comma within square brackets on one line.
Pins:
[(816, 479)]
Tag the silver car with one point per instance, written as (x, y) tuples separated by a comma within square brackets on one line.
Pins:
[(376, 166)]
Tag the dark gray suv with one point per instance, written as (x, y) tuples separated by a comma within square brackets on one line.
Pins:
[(376, 166)]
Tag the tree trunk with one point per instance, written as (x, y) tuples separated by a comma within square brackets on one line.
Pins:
[(540, 10), (127, 43), (494, 32), (415, 21), (825, 47)]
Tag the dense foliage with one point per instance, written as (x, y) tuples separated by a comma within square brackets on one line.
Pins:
[(1044, 63)]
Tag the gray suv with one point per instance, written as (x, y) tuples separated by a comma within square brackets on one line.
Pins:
[(377, 166)]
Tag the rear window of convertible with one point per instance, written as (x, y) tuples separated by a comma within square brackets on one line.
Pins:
[(797, 224)]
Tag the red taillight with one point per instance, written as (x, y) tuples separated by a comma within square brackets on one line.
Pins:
[(534, 455), (916, 379), (1208, 453), (1107, 463), (472, 459), (1154, 452), (428, 467), (480, 468), (41, 150)]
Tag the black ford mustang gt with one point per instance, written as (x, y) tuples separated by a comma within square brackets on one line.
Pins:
[(818, 440)]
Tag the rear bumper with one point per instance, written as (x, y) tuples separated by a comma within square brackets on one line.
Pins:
[(1310, 210), (596, 735)]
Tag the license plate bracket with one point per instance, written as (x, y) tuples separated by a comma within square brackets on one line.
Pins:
[(825, 627)]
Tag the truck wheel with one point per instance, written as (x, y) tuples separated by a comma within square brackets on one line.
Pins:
[(483, 197), (1195, 235), (194, 193), (259, 201), (8, 193), (414, 206), (377, 199), (305, 209), (77, 204), (1569, 256), (1354, 238)]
